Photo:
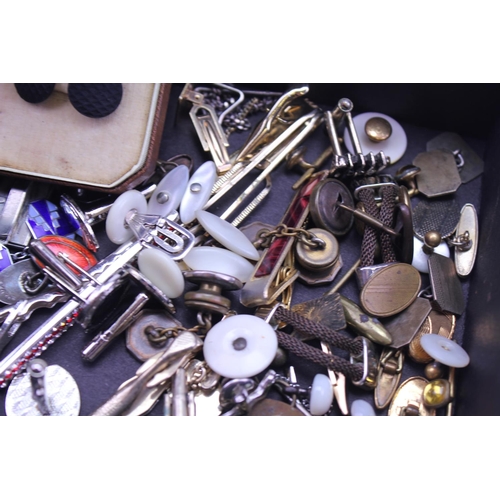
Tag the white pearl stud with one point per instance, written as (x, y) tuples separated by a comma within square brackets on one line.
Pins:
[(444, 350), (227, 235), (321, 397), (240, 346)]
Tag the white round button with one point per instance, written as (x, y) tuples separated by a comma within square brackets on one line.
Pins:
[(394, 147), (219, 260), (162, 271), (227, 235), (198, 191), (321, 398), (116, 228), (360, 408), (169, 192), (240, 346), (421, 259), (444, 350)]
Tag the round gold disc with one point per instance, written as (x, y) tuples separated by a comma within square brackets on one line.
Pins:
[(378, 129), (321, 257)]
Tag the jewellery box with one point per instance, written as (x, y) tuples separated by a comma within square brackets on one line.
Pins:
[(53, 141)]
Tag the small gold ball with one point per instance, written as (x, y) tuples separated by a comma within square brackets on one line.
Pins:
[(378, 129), (432, 239), (437, 393), (434, 370)]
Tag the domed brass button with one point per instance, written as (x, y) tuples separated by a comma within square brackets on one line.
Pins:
[(378, 129)]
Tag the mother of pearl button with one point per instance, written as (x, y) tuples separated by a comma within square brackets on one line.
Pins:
[(321, 397), (394, 147), (169, 192), (227, 234), (240, 346), (162, 271), (360, 408), (116, 228), (198, 191), (444, 350), (219, 260), (420, 258)]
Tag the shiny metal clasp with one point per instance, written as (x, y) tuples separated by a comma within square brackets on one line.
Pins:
[(368, 360)]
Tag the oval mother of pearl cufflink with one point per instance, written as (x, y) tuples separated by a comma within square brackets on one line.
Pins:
[(378, 130), (444, 350), (227, 235), (219, 260), (198, 191), (169, 192), (240, 346), (162, 271)]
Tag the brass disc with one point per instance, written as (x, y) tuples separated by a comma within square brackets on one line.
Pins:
[(324, 210), (378, 129), (390, 290), (319, 258)]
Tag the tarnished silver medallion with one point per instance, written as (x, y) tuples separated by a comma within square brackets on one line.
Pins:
[(62, 395)]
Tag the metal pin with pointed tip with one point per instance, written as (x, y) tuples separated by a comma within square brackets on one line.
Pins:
[(337, 380)]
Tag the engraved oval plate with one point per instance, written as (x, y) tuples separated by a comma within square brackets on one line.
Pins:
[(138, 342), (464, 259), (62, 394), (391, 290), (438, 173), (436, 322), (408, 397), (324, 210)]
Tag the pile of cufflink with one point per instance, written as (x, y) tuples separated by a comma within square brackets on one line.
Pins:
[(174, 251)]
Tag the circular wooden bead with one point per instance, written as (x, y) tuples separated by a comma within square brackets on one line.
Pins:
[(390, 290)]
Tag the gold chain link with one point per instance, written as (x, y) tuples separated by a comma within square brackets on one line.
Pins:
[(282, 231)]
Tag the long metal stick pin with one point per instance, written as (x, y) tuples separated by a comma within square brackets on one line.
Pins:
[(344, 279), (368, 219)]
